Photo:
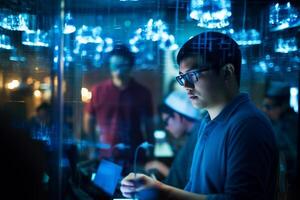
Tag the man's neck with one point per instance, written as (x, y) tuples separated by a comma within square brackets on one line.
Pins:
[(216, 109)]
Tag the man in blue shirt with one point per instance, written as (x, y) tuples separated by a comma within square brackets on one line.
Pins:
[(235, 156)]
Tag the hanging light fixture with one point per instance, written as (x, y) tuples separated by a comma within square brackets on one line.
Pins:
[(16, 21), (286, 45), (283, 16), (246, 37), (5, 42), (211, 13), (69, 24), (90, 45), (155, 31), (36, 38)]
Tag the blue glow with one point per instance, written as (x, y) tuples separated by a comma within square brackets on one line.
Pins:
[(265, 65), (5, 42), (294, 95), (155, 31), (15, 22), (283, 16), (247, 37), (35, 38), (89, 44), (89, 35), (159, 134), (211, 13), (109, 45), (286, 45), (69, 24)]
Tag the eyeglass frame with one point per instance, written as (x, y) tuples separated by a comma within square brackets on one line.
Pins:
[(165, 121), (196, 74)]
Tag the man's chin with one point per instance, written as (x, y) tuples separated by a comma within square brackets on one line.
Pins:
[(198, 104)]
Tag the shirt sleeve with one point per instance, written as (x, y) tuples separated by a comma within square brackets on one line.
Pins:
[(251, 162)]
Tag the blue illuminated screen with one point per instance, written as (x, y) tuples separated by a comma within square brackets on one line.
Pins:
[(107, 176)]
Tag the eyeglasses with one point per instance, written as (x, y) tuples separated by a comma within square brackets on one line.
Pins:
[(190, 77), (166, 120)]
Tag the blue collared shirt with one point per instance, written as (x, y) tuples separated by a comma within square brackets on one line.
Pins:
[(235, 156)]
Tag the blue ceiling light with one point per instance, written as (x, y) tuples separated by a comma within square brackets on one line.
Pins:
[(5, 42), (247, 37), (283, 16), (16, 21), (89, 46), (87, 34), (69, 24), (89, 39), (211, 13), (153, 31), (36, 38), (286, 45)]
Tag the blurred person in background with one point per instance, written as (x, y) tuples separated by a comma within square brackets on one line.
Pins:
[(276, 105), (41, 122), (181, 120), (121, 109)]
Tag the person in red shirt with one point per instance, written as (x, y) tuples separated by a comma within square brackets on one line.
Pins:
[(121, 110)]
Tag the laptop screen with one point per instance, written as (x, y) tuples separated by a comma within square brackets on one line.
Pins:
[(107, 177)]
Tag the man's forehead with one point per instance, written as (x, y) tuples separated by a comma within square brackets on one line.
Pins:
[(192, 62)]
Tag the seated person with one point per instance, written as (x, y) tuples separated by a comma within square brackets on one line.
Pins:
[(181, 120)]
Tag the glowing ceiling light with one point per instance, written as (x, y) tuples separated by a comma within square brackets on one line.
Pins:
[(69, 24), (211, 13), (247, 37), (16, 21), (89, 35), (5, 42), (35, 38), (286, 45), (155, 31), (283, 16)]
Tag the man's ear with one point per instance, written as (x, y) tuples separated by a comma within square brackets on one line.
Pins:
[(228, 71)]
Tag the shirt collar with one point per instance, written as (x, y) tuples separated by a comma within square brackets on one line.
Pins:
[(229, 108)]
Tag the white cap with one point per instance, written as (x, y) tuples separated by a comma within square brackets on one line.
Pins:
[(180, 102)]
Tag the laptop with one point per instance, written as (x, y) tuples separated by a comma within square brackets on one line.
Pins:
[(107, 176)]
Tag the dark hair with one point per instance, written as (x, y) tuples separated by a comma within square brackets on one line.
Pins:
[(124, 51), (215, 49)]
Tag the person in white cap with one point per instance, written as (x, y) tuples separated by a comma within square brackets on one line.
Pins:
[(182, 121)]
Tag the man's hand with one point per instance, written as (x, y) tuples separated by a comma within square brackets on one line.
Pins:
[(137, 183), (161, 167)]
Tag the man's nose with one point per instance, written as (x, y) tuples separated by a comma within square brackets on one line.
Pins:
[(188, 85)]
